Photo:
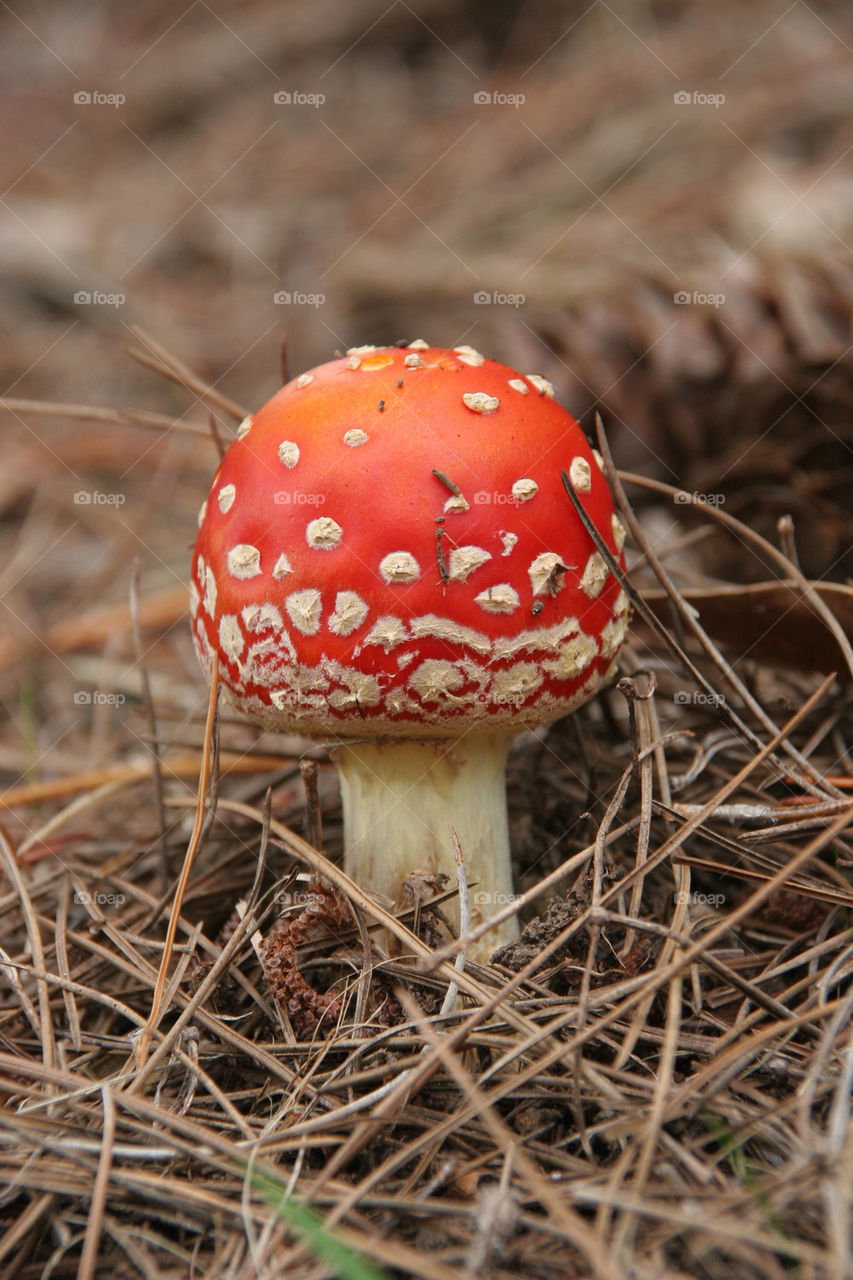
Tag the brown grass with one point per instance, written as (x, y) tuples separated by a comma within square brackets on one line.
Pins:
[(659, 1070)]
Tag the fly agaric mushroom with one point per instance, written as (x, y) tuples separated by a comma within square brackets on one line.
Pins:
[(387, 560)]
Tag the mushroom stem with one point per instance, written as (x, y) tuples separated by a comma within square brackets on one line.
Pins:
[(400, 799)]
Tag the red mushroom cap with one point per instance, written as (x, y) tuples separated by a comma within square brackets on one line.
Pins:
[(387, 549)]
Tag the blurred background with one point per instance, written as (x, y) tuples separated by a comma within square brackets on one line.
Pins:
[(651, 203)]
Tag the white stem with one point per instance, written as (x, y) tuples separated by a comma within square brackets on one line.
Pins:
[(400, 800)]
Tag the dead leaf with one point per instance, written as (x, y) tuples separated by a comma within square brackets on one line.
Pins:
[(771, 622)]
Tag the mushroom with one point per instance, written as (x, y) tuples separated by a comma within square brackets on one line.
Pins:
[(387, 561)]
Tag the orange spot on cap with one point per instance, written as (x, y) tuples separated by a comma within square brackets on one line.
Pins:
[(378, 361)]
